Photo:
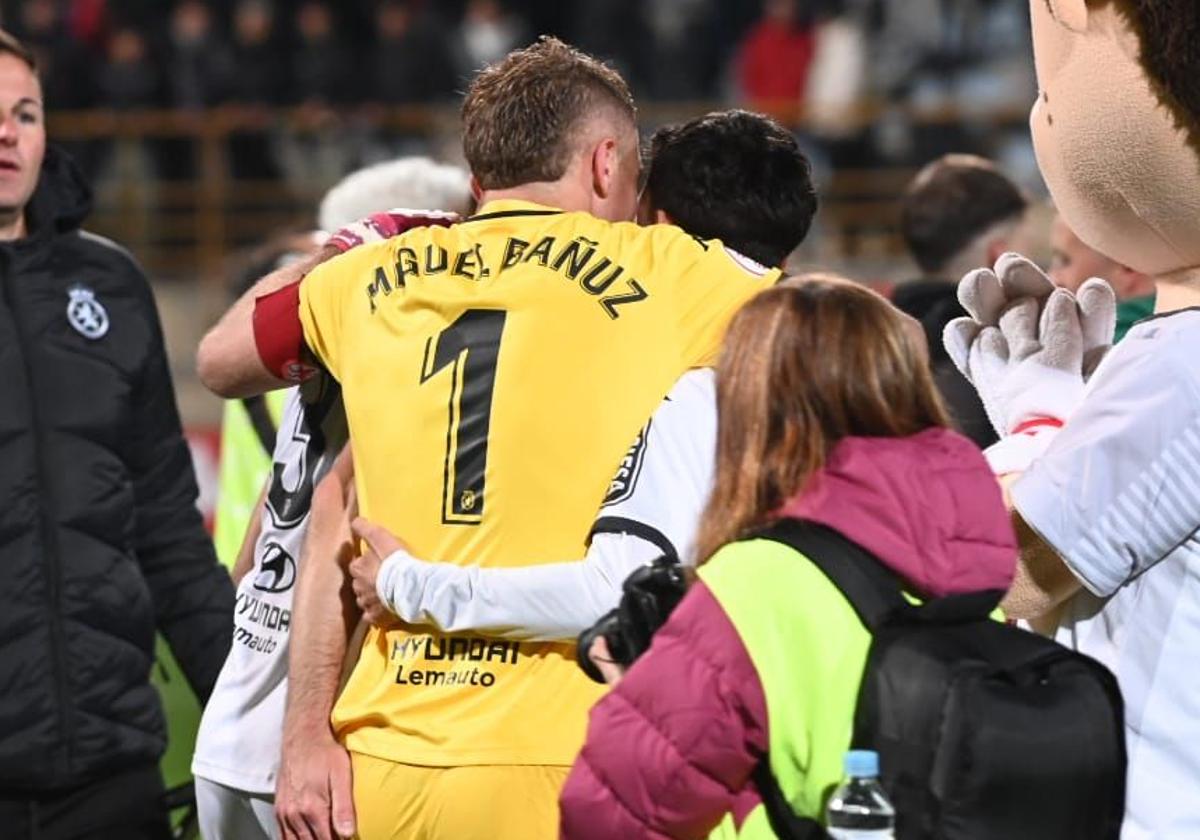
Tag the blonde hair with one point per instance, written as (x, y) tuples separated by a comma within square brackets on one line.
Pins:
[(521, 115)]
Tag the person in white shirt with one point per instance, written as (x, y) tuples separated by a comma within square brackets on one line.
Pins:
[(760, 204), (236, 760)]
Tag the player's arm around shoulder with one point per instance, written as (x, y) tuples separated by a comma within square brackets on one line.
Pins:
[(334, 294), (260, 343), (229, 360)]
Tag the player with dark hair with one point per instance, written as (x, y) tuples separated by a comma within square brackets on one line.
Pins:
[(734, 176), (494, 373)]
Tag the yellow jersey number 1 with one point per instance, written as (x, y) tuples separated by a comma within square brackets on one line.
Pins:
[(470, 348)]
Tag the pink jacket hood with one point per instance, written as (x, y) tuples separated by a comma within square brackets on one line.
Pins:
[(926, 505)]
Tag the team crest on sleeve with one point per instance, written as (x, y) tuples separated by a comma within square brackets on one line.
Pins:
[(86, 314), (623, 483)]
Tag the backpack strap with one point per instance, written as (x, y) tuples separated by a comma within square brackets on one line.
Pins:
[(874, 593), (785, 825), (260, 419), (872, 589)]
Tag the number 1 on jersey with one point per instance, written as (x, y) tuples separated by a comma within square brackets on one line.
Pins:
[(470, 347)]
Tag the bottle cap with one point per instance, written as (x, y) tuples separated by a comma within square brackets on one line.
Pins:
[(861, 764)]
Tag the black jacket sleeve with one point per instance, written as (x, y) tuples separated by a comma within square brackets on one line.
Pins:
[(963, 403), (193, 594)]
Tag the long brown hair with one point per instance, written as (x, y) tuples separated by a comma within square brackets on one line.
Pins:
[(805, 364)]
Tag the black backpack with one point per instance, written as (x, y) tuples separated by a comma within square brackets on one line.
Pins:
[(983, 730)]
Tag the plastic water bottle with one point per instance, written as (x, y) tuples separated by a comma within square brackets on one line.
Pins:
[(859, 809)]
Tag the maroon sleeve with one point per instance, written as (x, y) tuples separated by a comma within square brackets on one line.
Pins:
[(671, 749), (279, 334)]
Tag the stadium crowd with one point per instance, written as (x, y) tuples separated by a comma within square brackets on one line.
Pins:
[(341, 65), (562, 414), (183, 53)]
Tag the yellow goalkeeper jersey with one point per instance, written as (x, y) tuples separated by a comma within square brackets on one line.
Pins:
[(494, 373)]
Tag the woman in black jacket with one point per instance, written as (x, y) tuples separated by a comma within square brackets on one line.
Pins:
[(100, 539)]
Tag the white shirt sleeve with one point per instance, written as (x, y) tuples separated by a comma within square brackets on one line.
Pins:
[(653, 507), (1119, 488), (664, 481), (549, 602)]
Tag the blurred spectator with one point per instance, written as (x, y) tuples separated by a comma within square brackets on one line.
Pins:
[(682, 51), (256, 55), (774, 58), (411, 62), (969, 55), (416, 182), (320, 65), (1074, 262), (837, 77), (614, 30), (129, 78), (201, 65), (258, 85), (61, 61), (960, 213), (487, 33), (63, 66), (199, 73), (87, 21), (321, 150)]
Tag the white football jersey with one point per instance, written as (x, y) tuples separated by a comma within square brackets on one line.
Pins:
[(652, 508), (660, 490), (241, 731)]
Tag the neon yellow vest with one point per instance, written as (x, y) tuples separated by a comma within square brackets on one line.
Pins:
[(809, 649), (245, 467)]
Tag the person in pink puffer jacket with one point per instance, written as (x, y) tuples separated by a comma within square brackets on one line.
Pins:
[(827, 412)]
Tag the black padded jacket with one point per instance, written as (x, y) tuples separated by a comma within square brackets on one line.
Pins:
[(934, 302), (100, 539)]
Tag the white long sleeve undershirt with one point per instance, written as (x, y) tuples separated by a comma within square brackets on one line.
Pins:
[(653, 508), (549, 602)]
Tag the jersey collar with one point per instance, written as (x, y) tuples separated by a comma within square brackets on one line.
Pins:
[(508, 207)]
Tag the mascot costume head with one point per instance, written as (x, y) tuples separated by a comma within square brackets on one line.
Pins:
[(1116, 126)]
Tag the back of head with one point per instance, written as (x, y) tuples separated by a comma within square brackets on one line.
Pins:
[(951, 204), (734, 176), (804, 365), (1116, 127), (523, 116), (412, 183)]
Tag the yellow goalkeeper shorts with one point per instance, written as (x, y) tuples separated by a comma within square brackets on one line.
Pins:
[(493, 802)]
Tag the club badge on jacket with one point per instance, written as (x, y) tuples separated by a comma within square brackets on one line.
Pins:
[(86, 314)]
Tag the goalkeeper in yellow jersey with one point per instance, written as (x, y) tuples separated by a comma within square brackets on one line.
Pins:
[(494, 372)]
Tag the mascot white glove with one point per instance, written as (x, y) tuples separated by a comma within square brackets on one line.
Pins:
[(1028, 347)]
